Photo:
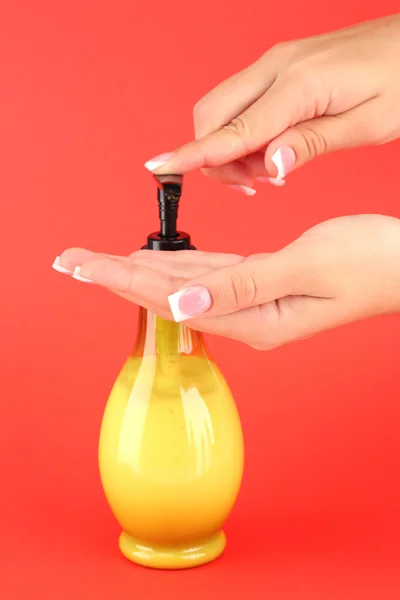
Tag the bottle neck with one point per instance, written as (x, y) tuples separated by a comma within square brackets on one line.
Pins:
[(166, 338)]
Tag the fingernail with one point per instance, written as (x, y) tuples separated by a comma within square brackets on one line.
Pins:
[(79, 277), (244, 189), (58, 267), (276, 181), (190, 302), (272, 180), (158, 161), (284, 159)]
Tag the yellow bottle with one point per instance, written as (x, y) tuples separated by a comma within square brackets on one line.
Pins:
[(171, 444), (171, 449)]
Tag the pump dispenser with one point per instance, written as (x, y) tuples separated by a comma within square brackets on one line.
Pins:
[(168, 238), (171, 444)]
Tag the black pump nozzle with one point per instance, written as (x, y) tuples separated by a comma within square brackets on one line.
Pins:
[(168, 238), (169, 193)]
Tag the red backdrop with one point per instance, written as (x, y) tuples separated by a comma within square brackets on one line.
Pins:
[(88, 91)]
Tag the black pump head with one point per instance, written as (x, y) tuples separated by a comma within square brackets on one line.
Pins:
[(168, 238)]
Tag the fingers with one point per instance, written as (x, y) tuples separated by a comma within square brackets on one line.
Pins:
[(222, 105), (150, 288), (186, 265), (245, 172), (305, 141), (172, 268), (263, 327), (301, 143), (143, 285), (273, 324), (234, 95), (74, 257), (221, 291), (264, 120), (236, 173), (158, 266), (248, 284), (205, 261), (277, 323), (213, 260), (279, 114)]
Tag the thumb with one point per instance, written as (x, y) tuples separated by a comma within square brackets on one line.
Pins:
[(230, 289), (309, 139)]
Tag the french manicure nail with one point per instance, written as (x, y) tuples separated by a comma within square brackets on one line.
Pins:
[(284, 159), (58, 267), (276, 181), (80, 277), (272, 180), (158, 161), (190, 302), (244, 189)]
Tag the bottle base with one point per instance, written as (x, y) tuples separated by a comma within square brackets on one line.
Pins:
[(172, 557)]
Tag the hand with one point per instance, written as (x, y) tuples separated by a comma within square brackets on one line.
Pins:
[(340, 271), (301, 99)]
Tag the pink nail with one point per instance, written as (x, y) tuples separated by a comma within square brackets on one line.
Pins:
[(58, 267), (273, 180), (77, 275), (190, 302), (284, 159), (244, 189), (276, 181), (158, 161)]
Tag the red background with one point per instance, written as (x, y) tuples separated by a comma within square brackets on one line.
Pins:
[(89, 91)]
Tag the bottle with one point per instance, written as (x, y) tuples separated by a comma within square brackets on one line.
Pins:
[(171, 444)]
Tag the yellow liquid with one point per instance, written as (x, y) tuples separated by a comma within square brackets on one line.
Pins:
[(171, 459)]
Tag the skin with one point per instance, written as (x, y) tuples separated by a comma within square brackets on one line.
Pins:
[(340, 271), (317, 95)]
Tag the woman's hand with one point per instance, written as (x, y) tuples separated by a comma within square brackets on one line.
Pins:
[(299, 100), (340, 271)]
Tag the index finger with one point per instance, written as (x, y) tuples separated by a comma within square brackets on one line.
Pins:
[(234, 95), (273, 113)]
